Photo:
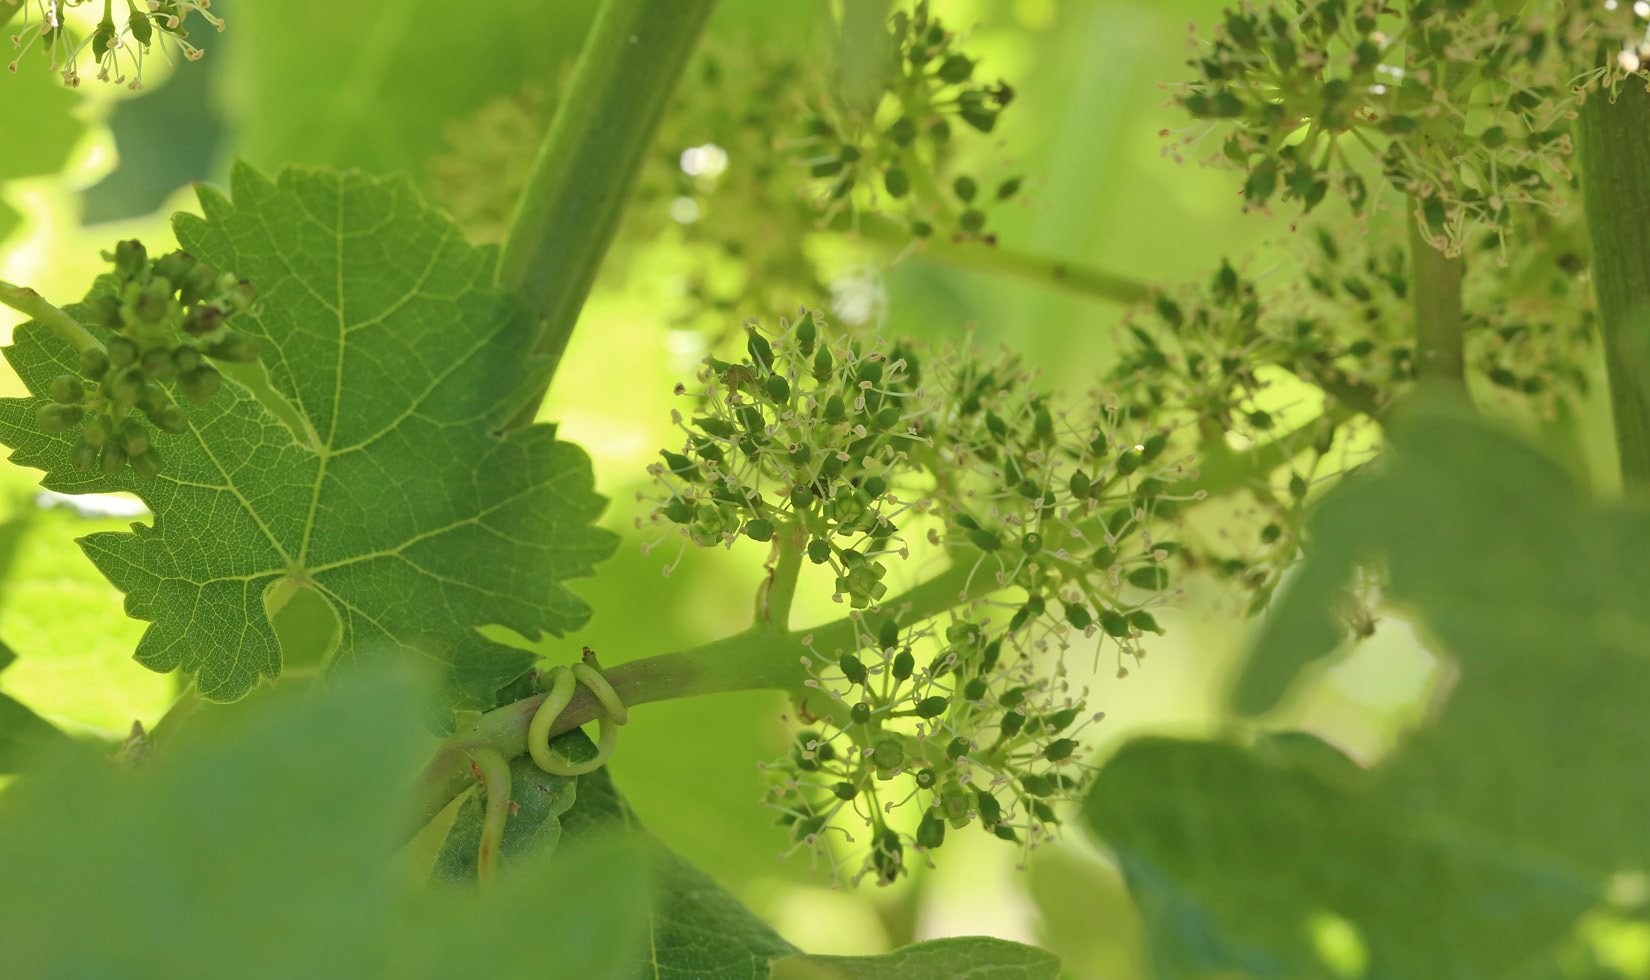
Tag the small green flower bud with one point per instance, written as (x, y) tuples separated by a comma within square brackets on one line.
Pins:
[(134, 438), (860, 713), (174, 266), (761, 353), (991, 812), (1150, 577), (958, 748), (845, 791), (887, 754), (1037, 785), (926, 778), (975, 689), (965, 188), (66, 389), (819, 551), (122, 352), (931, 831), (1078, 616), (201, 384), (1114, 623), (932, 707), (169, 418), (1061, 719), (1059, 749), (105, 311), (160, 365), (94, 363), (897, 182), (823, 365), (760, 529), (778, 390), (240, 296), (236, 347), (852, 668), (903, 664), (1011, 724), (1142, 620), (130, 255), (113, 459), (52, 419), (147, 465), (83, 457)]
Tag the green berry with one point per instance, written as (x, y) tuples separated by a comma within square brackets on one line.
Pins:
[(759, 529), (852, 668), (819, 551), (845, 791), (897, 182), (860, 713), (957, 748), (926, 778)]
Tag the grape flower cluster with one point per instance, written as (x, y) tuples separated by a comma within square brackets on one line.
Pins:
[(1463, 107), (168, 317), (1056, 521), (118, 45)]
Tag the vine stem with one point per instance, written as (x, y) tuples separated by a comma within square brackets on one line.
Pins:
[(762, 657), (27, 301), (1615, 143), (1435, 291), (587, 164)]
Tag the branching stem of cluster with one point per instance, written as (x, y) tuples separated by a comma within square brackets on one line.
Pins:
[(587, 164), (1435, 292), (760, 658), (982, 257), (25, 300), (1615, 143)]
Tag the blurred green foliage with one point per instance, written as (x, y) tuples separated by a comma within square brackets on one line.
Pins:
[(1250, 855)]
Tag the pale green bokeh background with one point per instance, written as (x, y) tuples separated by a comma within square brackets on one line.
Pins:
[(1085, 130)]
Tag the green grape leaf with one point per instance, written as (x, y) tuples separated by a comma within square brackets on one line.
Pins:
[(1482, 846), (696, 929), (37, 112), (971, 957), (113, 872), (362, 461)]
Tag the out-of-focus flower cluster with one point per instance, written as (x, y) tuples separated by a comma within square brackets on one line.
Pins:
[(1463, 107), (118, 44)]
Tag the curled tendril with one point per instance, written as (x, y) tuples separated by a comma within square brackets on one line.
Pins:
[(493, 770), (561, 682)]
